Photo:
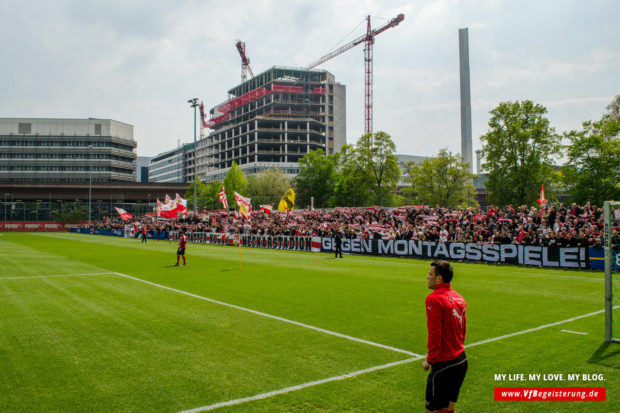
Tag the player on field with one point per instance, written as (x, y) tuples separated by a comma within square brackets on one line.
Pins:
[(446, 323), (182, 245)]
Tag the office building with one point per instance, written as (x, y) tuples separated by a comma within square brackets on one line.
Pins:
[(142, 168), (272, 121), (176, 165), (34, 150)]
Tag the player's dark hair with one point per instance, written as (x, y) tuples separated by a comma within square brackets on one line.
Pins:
[(444, 269)]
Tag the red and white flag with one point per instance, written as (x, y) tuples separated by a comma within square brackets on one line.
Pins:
[(124, 214), (223, 199), (244, 204), (159, 207), (267, 208), (181, 204), (168, 210), (542, 201), (168, 200)]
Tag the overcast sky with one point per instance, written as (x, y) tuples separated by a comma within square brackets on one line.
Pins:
[(139, 62)]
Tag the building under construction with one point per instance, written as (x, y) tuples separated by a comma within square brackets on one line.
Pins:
[(272, 120)]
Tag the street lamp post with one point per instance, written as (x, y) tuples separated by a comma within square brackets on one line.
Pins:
[(90, 181), (194, 104)]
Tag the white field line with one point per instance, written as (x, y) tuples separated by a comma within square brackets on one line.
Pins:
[(333, 333), (359, 372), (518, 333), (300, 386), (574, 332), (57, 275)]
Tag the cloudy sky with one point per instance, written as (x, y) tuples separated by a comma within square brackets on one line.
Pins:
[(139, 62)]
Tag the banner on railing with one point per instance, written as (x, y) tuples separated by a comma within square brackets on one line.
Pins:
[(256, 241), (35, 226), (552, 256)]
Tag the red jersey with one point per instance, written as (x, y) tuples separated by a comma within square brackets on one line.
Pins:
[(183, 241), (446, 323)]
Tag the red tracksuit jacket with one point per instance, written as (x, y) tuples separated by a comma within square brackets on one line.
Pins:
[(446, 323)]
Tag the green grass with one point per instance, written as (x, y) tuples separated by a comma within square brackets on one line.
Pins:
[(76, 336)]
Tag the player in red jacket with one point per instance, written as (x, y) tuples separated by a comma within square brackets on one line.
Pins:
[(447, 324), (182, 245)]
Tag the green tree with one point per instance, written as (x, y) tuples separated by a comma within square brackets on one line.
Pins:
[(267, 187), (316, 178), (208, 197), (189, 194), (517, 151), (592, 172), (352, 181), (368, 172), (234, 181), (444, 180), (377, 156)]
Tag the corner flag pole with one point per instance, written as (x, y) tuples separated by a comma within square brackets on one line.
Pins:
[(239, 249)]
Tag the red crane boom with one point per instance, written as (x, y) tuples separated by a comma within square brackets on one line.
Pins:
[(369, 39), (245, 61)]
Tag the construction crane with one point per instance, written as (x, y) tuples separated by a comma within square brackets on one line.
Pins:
[(369, 39), (245, 62)]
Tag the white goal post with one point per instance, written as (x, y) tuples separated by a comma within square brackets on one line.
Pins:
[(611, 214)]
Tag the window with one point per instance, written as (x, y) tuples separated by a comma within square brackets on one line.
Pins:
[(97, 128)]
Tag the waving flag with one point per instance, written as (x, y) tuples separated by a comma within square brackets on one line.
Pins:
[(287, 203), (159, 207), (244, 204), (124, 214), (223, 199), (181, 204), (542, 201), (169, 209), (266, 208), (168, 200)]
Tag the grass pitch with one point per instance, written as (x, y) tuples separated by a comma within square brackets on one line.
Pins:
[(93, 323)]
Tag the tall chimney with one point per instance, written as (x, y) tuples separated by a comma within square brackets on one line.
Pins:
[(465, 98)]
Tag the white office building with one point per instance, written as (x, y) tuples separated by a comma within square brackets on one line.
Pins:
[(36, 150)]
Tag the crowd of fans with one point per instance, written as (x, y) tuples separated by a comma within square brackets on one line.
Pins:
[(554, 225)]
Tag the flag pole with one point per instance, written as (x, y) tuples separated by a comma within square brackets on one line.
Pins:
[(240, 249)]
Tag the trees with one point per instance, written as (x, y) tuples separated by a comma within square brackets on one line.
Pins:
[(208, 197), (518, 151), (592, 172), (377, 155), (445, 180), (189, 194), (267, 187), (316, 178), (352, 181), (368, 172), (234, 182)]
